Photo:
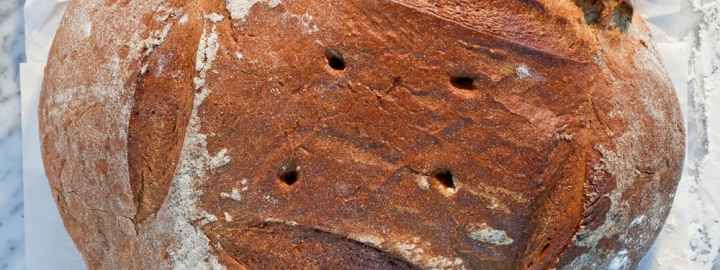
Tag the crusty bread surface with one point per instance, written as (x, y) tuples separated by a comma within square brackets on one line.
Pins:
[(359, 134)]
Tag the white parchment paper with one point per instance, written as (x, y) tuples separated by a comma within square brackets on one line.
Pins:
[(675, 25)]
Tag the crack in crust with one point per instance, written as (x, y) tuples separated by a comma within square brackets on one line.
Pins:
[(158, 118), (339, 251)]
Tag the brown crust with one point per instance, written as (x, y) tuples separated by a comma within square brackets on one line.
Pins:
[(446, 135)]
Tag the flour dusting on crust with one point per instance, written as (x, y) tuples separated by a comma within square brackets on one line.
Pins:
[(419, 253), (207, 50), (193, 247), (489, 235), (239, 9)]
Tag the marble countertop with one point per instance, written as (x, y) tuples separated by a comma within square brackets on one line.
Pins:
[(11, 192), (687, 35)]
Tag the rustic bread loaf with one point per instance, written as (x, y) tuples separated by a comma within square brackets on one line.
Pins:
[(359, 134)]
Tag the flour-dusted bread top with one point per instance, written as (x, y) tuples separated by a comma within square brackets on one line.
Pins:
[(359, 134)]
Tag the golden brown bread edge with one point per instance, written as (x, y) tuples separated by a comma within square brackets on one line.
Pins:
[(359, 134)]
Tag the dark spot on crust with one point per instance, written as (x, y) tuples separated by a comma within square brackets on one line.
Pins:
[(595, 13), (445, 178), (464, 82), (335, 59), (289, 173), (592, 10), (622, 16)]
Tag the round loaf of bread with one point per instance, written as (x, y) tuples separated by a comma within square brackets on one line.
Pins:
[(359, 134)]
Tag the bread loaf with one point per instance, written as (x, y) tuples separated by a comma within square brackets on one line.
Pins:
[(359, 134)]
